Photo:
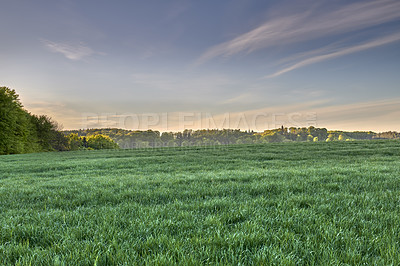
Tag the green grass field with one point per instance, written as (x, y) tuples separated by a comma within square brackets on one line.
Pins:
[(289, 203)]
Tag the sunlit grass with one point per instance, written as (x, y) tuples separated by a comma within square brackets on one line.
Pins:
[(289, 203)]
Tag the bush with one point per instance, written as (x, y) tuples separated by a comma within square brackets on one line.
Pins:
[(273, 137), (75, 142), (100, 142)]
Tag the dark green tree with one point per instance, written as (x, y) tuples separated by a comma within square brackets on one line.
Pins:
[(15, 128), (48, 134)]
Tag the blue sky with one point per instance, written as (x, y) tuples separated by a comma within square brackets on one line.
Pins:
[(169, 65)]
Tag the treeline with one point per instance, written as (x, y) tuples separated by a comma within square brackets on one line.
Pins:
[(93, 142), (128, 139), (23, 132), (387, 135)]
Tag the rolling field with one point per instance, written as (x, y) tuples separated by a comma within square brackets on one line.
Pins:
[(287, 203)]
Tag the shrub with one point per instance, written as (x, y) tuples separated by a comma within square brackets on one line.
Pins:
[(100, 142)]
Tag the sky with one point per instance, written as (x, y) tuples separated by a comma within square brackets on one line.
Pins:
[(174, 65)]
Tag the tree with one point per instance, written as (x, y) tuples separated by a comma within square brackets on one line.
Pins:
[(99, 142), (245, 140), (331, 137), (186, 143), (84, 142), (299, 138), (311, 130), (167, 137), (22, 132), (48, 134), (60, 142), (75, 142), (15, 133), (171, 143), (321, 133), (273, 137)]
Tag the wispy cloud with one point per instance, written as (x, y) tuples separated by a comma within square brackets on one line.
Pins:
[(242, 98), (308, 25), (73, 52), (325, 55)]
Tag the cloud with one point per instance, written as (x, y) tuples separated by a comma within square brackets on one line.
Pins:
[(308, 25), (242, 98), (326, 54), (73, 52)]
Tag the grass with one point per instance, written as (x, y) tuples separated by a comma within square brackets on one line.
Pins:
[(287, 203)]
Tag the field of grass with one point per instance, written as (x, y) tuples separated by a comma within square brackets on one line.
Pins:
[(288, 203)]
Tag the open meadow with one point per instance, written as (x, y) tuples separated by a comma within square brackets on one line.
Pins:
[(285, 203)]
